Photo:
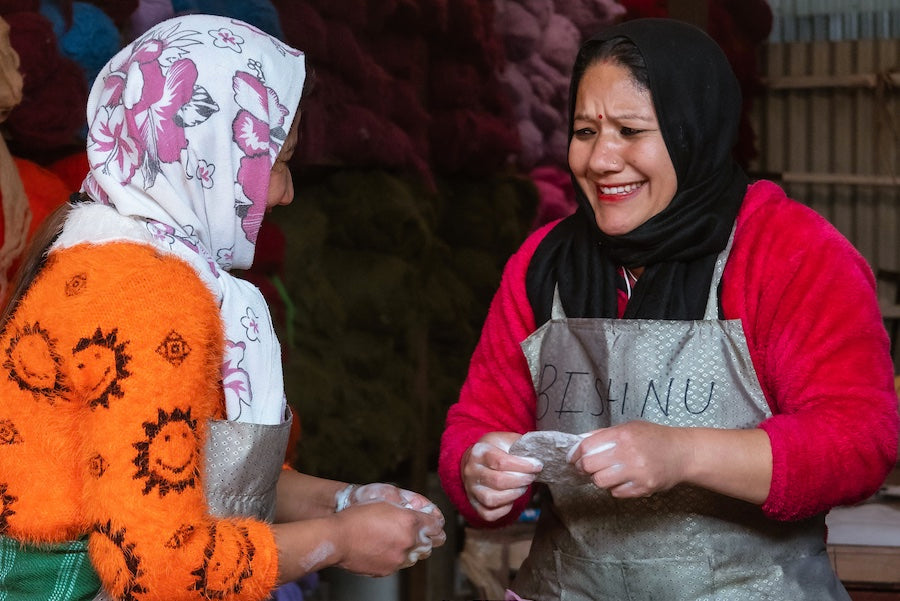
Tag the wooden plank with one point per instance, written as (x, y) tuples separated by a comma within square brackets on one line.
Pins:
[(773, 115), (861, 146), (842, 179), (850, 80), (799, 121), (821, 137), (886, 56), (757, 121), (837, 141), (843, 105)]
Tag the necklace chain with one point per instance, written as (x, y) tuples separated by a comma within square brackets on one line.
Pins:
[(630, 280)]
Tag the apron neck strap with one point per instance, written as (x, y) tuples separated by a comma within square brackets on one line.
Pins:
[(712, 301), (556, 311)]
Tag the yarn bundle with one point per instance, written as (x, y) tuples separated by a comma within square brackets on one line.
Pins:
[(51, 114), (541, 38), (405, 85), (85, 34)]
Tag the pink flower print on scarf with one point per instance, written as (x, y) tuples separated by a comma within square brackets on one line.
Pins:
[(148, 101), (255, 138), (235, 380), (225, 38), (166, 235)]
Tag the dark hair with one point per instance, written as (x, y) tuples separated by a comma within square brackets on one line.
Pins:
[(309, 83), (619, 50)]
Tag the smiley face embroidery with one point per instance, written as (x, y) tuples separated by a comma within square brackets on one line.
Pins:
[(123, 562), (6, 512), (9, 434), (228, 561), (33, 362), (169, 457), (100, 362)]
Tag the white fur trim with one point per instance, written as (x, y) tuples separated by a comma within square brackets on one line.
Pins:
[(95, 224)]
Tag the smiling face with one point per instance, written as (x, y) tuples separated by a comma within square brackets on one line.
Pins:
[(617, 152)]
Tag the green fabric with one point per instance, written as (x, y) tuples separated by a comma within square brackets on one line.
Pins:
[(60, 572)]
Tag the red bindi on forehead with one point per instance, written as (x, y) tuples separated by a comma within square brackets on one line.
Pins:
[(599, 116)]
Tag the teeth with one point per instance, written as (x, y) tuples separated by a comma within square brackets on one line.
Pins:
[(618, 189)]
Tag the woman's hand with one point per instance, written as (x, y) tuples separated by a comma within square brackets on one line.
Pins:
[(377, 538), (428, 535), (635, 459), (493, 478), (639, 458)]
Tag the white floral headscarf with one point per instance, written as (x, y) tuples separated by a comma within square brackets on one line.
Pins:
[(185, 124)]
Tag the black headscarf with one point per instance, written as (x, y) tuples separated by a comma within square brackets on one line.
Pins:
[(698, 101)]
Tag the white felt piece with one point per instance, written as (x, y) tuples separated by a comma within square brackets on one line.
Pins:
[(552, 449)]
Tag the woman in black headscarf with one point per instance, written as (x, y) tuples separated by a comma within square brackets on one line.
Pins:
[(712, 374)]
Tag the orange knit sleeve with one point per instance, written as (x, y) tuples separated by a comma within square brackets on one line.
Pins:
[(122, 362)]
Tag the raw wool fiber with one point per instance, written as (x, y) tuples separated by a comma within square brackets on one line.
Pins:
[(259, 13), (541, 38), (14, 6), (89, 36), (71, 169), (51, 116), (557, 194), (46, 120), (385, 95), (32, 37), (42, 192), (477, 137), (120, 11), (391, 280)]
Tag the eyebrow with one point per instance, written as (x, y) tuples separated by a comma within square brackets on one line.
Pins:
[(608, 116)]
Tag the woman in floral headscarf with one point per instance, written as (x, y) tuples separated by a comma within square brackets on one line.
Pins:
[(143, 419)]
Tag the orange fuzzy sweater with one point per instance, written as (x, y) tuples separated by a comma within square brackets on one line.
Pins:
[(112, 363)]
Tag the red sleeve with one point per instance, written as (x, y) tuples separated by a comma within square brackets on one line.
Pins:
[(497, 395), (807, 301)]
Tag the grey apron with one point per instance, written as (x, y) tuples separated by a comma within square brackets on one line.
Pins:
[(684, 544), (243, 462)]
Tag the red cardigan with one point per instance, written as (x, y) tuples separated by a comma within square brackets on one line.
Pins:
[(806, 299)]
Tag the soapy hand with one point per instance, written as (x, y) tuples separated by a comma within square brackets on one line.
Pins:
[(430, 532), (635, 459), (494, 478), (379, 538), (355, 494)]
